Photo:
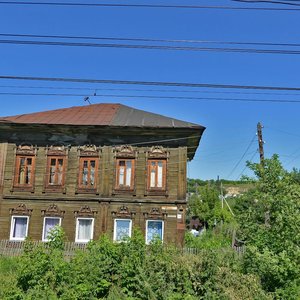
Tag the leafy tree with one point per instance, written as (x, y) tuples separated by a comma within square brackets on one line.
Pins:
[(208, 207), (43, 270), (269, 218)]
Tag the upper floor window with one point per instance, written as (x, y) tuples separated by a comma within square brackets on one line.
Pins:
[(88, 168), (157, 169), (24, 167), (56, 170), (157, 174), (125, 173), (125, 168), (24, 170), (56, 167)]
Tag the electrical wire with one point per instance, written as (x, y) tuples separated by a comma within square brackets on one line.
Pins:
[(155, 97), (142, 90), (238, 177), (164, 6), (152, 47), (149, 40), (282, 131), (268, 2), (151, 83), (237, 164)]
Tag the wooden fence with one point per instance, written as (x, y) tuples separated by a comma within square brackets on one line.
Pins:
[(16, 248)]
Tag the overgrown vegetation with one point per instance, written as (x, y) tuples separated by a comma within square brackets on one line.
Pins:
[(129, 270), (267, 217)]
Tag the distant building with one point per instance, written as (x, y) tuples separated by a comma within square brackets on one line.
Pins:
[(102, 168)]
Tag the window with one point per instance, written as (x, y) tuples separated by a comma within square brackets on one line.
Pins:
[(157, 174), (154, 229), (24, 170), (56, 170), (84, 229), (24, 167), (88, 172), (49, 224), (122, 229), (125, 173), (19, 228)]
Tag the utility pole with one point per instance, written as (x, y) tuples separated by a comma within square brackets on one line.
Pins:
[(260, 143), (261, 155)]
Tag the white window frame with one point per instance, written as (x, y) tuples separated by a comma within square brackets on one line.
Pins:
[(77, 226), (162, 230), (115, 229), (12, 226), (44, 223)]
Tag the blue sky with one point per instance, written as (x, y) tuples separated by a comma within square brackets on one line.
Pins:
[(231, 126)]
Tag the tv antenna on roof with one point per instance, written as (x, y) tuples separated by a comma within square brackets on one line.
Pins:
[(87, 99)]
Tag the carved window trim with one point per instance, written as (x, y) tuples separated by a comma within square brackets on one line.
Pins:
[(123, 213), (20, 212), (56, 153), (156, 214), (157, 154), (85, 212), (52, 211), (155, 167), (24, 152), (88, 153), (126, 154)]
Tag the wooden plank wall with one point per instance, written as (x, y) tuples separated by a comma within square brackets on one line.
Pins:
[(104, 202), (3, 151)]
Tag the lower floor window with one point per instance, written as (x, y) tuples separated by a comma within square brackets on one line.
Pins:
[(49, 224), (154, 230), (19, 228), (122, 229), (84, 229)]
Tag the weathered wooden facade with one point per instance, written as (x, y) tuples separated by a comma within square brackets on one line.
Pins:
[(103, 168)]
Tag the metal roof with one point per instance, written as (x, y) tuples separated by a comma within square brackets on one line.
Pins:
[(103, 114)]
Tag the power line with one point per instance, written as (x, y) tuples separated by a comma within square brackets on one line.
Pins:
[(283, 131), (237, 164), (151, 83), (256, 151), (95, 89), (193, 41), (154, 97), (152, 47), (113, 5), (269, 2)]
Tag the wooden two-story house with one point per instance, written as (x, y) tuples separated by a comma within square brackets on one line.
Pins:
[(102, 168)]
